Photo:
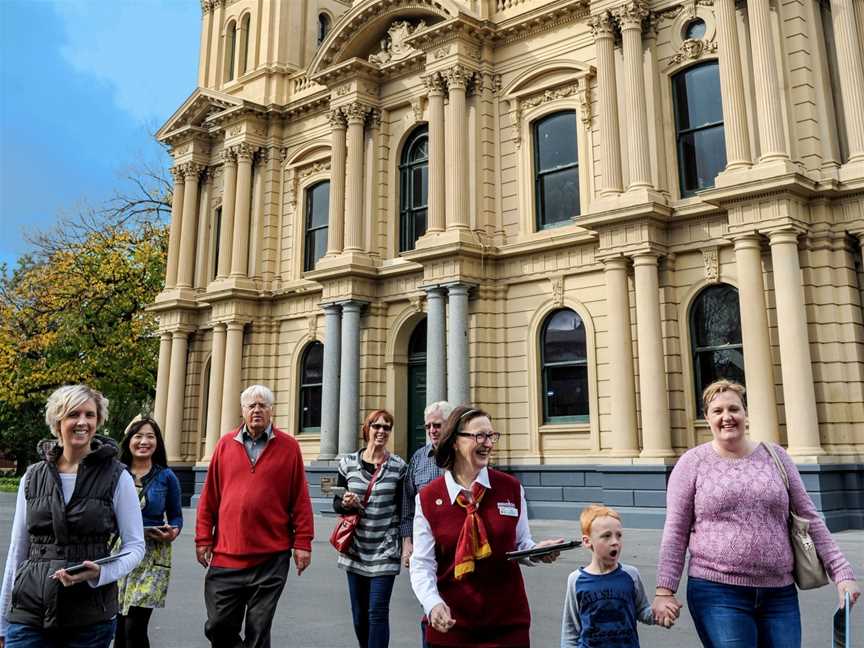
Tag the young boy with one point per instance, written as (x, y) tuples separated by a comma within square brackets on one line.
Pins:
[(605, 599)]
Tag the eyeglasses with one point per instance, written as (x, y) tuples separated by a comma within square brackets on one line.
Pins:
[(481, 437), (436, 426), (381, 426)]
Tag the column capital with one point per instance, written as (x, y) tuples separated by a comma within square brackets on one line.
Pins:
[(647, 258), (234, 325), (459, 77), (356, 112), (191, 170), (746, 240), (436, 291), (352, 305), (245, 151), (784, 235), (618, 262), (229, 155), (602, 25), (458, 288), (336, 117), (178, 174), (631, 14), (436, 84)]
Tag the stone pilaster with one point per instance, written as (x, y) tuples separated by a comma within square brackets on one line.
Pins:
[(436, 358), (738, 155), (758, 366), (330, 382), (349, 380), (214, 391), (336, 217), (851, 71), (160, 407), (242, 207), (176, 395), (610, 139), (802, 423), (458, 78), (435, 85), (233, 381), (458, 357), (229, 193), (768, 109), (356, 114), (186, 260), (622, 391), (653, 392), (176, 227)]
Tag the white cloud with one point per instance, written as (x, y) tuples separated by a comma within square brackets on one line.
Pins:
[(147, 50)]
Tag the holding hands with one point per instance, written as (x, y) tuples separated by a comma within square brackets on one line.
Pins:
[(666, 608), (440, 618)]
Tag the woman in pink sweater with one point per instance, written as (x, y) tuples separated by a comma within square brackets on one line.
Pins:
[(728, 506)]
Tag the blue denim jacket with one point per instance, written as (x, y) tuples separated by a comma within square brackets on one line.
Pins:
[(161, 498)]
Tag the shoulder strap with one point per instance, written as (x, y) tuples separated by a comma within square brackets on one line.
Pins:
[(375, 476), (778, 463)]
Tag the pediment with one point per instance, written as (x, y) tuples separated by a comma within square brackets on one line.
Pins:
[(200, 105), (547, 75)]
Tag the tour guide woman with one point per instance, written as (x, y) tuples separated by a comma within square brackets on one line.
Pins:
[(68, 507), (727, 504), (465, 522), (142, 451)]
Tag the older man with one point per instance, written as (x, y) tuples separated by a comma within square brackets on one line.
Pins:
[(254, 510)]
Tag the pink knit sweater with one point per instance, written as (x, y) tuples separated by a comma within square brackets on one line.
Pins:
[(732, 516)]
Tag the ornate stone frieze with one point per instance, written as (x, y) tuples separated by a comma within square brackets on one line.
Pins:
[(393, 45), (539, 99), (435, 83), (712, 264), (692, 49), (312, 169), (486, 82)]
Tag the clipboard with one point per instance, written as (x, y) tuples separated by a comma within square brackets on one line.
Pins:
[(535, 552), (842, 626), (75, 569)]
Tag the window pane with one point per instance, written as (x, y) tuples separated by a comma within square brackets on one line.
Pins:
[(695, 29), (419, 225), (716, 317), (419, 186), (697, 96), (564, 338), (310, 407), (559, 196), (713, 365), (555, 141), (703, 156), (318, 198), (566, 391), (320, 244), (419, 151), (313, 364)]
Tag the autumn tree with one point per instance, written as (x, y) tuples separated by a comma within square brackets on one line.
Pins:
[(74, 311)]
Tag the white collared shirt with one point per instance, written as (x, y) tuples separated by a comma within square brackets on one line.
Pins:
[(424, 567)]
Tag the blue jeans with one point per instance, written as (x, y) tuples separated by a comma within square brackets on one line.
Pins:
[(370, 608), (98, 635), (734, 616)]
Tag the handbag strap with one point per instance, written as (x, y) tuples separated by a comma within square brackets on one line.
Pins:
[(783, 473), (375, 476)]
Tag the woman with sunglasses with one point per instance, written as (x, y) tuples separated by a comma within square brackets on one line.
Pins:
[(374, 558), (465, 522)]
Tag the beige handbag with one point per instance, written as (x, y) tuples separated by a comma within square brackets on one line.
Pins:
[(808, 571)]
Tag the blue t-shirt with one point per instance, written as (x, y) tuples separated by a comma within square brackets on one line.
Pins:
[(600, 611)]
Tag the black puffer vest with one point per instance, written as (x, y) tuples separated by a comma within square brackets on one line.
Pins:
[(62, 535)]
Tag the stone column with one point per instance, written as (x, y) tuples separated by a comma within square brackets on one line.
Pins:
[(349, 380), (436, 358), (802, 423), (458, 361), (758, 366), (336, 217), (622, 391), (176, 227), (356, 114), (160, 407), (768, 109), (610, 139), (176, 395), (851, 72), (214, 392), (186, 261), (242, 205), (457, 83), (437, 166), (226, 230), (653, 393), (330, 382), (232, 384), (738, 155), (630, 16)]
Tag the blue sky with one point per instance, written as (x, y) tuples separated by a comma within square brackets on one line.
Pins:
[(83, 85)]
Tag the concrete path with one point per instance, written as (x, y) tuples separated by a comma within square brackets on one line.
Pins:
[(314, 611)]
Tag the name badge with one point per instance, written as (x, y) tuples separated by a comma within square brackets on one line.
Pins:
[(508, 509)]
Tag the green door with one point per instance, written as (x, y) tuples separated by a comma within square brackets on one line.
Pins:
[(416, 389)]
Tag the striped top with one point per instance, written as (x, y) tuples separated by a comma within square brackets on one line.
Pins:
[(376, 549)]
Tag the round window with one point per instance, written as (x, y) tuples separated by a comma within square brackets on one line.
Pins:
[(695, 29)]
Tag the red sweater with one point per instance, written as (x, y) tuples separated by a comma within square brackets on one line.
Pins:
[(248, 513), (489, 605)]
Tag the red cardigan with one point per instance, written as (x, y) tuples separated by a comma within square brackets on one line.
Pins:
[(248, 513)]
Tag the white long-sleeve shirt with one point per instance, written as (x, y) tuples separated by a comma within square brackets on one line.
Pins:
[(424, 566), (127, 511)]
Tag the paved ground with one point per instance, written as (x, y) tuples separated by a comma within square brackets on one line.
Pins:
[(314, 610)]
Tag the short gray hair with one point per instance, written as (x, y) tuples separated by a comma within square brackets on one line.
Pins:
[(67, 398), (440, 406), (253, 392)]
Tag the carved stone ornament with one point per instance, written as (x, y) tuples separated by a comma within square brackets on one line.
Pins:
[(356, 112), (209, 5), (545, 97), (692, 49), (312, 326), (312, 169), (557, 290), (441, 52), (246, 151), (336, 118), (459, 76), (435, 83), (417, 108), (375, 118), (631, 14), (485, 82), (602, 25), (229, 155), (584, 98), (191, 170), (416, 302), (393, 45), (712, 264)]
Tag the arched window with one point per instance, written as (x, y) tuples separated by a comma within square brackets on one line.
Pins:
[(556, 169), (244, 43), (230, 50), (698, 126), (323, 28), (311, 372), (715, 338), (413, 188), (564, 363), (317, 210)]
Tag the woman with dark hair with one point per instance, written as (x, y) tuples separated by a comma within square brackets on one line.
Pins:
[(145, 587), (465, 522), (372, 478)]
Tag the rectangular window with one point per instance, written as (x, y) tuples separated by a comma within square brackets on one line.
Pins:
[(556, 170)]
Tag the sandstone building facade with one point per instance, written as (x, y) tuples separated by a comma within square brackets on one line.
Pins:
[(573, 213)]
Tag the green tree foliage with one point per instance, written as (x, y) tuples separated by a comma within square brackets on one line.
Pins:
[(74, 312)]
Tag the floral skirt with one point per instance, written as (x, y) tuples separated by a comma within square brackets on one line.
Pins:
[(147, 585)]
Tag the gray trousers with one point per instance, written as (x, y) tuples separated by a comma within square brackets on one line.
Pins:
[(253, 592)]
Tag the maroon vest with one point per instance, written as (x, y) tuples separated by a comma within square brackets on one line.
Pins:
[(489, 605)]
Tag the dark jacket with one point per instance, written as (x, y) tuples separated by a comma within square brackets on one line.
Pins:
[(161, 495), (64, 534)]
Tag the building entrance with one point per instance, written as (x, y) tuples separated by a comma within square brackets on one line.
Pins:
[(416, 397)]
